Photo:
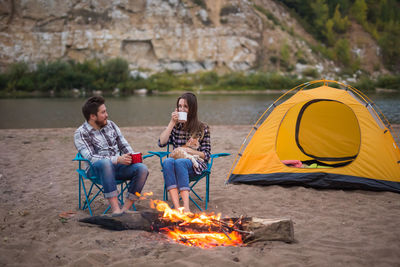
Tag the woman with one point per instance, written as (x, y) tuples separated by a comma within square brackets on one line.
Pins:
[(177, 172)]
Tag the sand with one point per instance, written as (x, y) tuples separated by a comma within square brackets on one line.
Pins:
[(38, 182)]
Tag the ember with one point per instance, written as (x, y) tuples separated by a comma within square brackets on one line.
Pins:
[(201, 230)]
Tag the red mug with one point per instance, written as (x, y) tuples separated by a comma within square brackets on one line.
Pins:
[(136, 157)]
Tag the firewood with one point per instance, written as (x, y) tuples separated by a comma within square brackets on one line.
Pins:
[(252, 229), (127, 221), (269, 230)]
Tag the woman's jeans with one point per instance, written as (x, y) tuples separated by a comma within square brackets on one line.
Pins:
[(109, 173), (177, 172)]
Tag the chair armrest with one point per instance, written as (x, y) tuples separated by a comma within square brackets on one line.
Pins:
[(79, 158), (214, 156), (159, 154), (217, 155), (148, 156)]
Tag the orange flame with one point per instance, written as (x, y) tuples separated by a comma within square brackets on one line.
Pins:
[(205, 240), (194, 238), (144, 195)]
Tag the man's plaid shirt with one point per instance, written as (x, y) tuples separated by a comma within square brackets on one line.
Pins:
[(179, 137), (106, 143)]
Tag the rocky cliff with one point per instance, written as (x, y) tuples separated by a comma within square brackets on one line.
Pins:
[(180, 35)]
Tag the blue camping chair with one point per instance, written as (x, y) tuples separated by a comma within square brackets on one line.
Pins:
[(193, 180), (95, 186)]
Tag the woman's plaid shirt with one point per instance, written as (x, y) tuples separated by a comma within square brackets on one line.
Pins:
[(179, 137)]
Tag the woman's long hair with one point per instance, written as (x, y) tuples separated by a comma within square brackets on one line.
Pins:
[(192, 125)]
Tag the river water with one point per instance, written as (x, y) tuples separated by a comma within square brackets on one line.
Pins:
[(154, 110)]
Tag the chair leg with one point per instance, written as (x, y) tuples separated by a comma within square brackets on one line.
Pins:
[(87, 199), (121, 194), (194, 202), (107, 209), (165, 197), (94, 197), (207, 190), (79, 195), (194, 192)]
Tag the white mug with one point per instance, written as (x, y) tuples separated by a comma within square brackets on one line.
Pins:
[(182, 116)]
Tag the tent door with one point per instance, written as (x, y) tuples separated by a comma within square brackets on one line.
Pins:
[(321, 129)]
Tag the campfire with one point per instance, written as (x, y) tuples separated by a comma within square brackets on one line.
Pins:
[(198, 229)]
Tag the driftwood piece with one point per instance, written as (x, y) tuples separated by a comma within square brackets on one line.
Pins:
[(269, 230), (127, 221), (252, 229)]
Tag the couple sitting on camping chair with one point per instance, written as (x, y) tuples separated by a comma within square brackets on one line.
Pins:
[(108, 156)]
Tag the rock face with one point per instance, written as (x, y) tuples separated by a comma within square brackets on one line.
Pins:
[(179, 35)]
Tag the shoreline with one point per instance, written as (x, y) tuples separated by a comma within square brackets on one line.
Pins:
[(23, 94)]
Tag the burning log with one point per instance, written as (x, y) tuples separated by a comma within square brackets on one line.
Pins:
[(235, 231)]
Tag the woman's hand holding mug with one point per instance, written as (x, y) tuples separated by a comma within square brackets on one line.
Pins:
[(174, 116)]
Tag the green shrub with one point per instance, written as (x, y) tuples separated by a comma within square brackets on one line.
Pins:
[(26, 83), (14, 73), (116, 71), (390, 43), (310, 72), (359, 11), (342, 52), (233, 80), (285, 55), (185, 81), (340, 25), (364, 84), (163, 81), (54, 76), (389, 81), (3, 81), (330, 36), (208, 78)]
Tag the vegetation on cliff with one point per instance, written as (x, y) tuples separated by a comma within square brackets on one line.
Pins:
[(62, 78), (330, 21)]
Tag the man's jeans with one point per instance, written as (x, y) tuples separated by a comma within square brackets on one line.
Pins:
[(108, 173), (177, 172)]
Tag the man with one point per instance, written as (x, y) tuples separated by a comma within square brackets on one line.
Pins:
[(101, 141)]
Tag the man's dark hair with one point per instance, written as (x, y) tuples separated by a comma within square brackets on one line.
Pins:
[(91, 106)]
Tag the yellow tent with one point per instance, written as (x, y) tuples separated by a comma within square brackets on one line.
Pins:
[(322, 137)]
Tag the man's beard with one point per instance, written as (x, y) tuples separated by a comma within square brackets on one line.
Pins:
[(101, 124)]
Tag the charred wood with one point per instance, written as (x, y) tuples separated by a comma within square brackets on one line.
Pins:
[(252, 229)]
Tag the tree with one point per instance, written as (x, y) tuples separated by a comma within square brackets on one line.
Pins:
[(390, 43), (359, 11), (328, 33), (343, 4), (15, 74), (115, 71), (321, 14), (342, 52), (340, 25)]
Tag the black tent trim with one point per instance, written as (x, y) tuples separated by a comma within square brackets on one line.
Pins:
[(317, 180)]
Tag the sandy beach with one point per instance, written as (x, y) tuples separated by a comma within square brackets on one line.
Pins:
[(38, 181)]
